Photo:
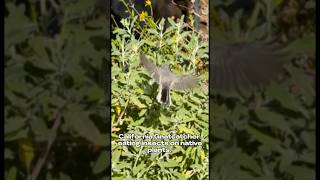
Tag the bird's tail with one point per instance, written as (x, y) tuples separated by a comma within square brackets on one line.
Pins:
[(164, 96)]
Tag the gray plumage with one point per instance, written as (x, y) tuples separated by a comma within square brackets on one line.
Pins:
[(167, 80), (234, 68), (242, 67)]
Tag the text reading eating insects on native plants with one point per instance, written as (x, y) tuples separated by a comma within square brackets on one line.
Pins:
[(156, 143)]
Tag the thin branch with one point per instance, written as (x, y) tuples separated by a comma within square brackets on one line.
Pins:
[(124, 110), (172, 1), (41, 162)]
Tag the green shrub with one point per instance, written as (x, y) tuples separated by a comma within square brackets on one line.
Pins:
[(136, 111)]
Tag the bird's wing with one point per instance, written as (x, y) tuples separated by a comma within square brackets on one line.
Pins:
[(151, 68), (241, 67), (184, 82)]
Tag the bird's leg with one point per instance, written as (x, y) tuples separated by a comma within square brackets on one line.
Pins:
[(163, 96), (159, 94)]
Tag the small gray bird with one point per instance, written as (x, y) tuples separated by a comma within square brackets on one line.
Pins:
[(167, 80), (242, 67)]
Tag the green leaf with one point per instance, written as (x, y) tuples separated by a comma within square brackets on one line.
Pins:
[(301, 172), (17, 26), (78, 119), (16, 135), (95, 93), (101, 163), (14, 124), (77, 7), (137, 102), (40, 129), (12, 174), (138, 169), (274, 120), (282, 94), (269, 142), (302, 45), (170, 163), (222, 133)]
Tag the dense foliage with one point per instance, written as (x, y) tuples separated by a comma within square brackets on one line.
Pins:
[(55, 109), (271, 133), (136, 111)]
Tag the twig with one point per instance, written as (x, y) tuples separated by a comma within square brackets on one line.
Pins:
[(172, 1), (41, 162), (124, 110)]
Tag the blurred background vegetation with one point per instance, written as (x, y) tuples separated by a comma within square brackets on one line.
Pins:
[(269, 134), (56, 109)]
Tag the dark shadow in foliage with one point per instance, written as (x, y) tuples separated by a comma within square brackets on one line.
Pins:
[(153, 113)]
